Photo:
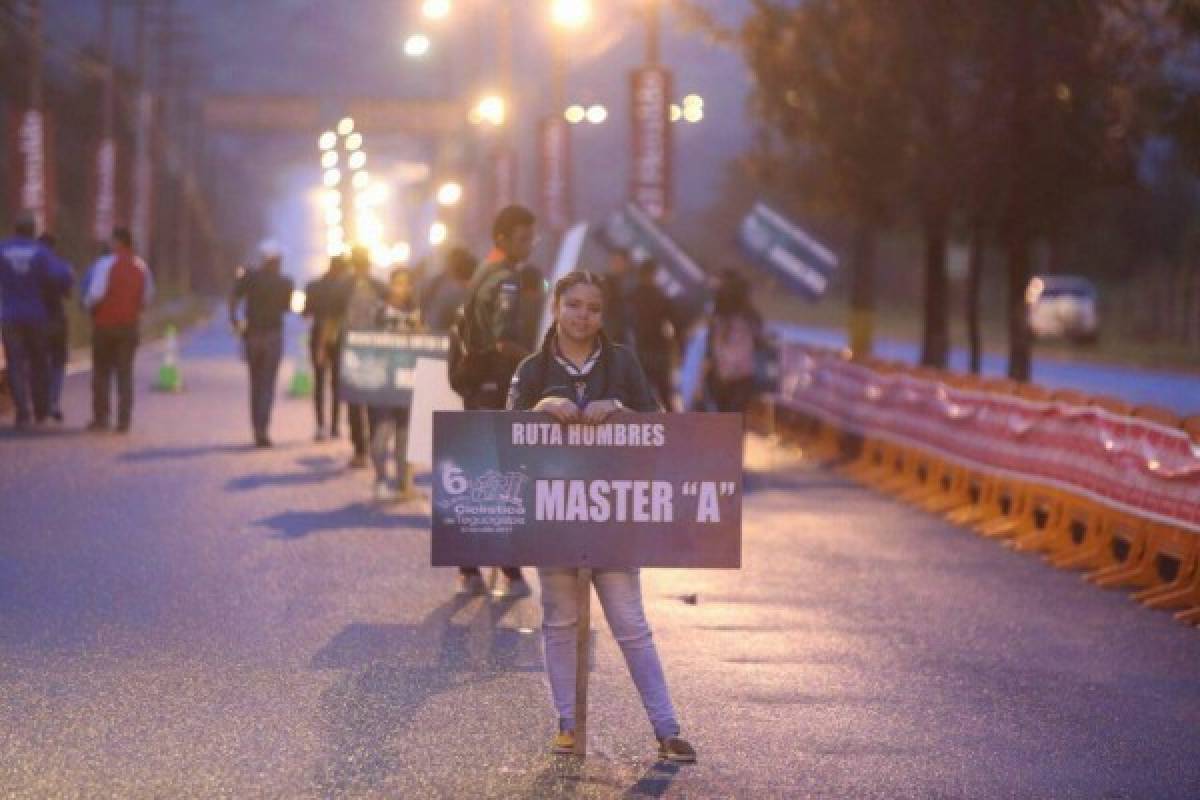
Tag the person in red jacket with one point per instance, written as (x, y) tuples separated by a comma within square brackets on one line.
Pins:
[(120, 287)]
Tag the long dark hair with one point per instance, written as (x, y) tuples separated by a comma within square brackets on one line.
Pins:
[(561, 287)]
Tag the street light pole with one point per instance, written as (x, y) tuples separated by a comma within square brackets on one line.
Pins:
[(653, 32)]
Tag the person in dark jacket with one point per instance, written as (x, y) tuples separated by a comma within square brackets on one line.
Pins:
[(617, 284), (119, 288), (267, 296), (325, 301), (581, 376), (359, 312), (25, 277), (441, 296), (652, 319), (55, 297), (496, 290), (735, 335), (397, 313)]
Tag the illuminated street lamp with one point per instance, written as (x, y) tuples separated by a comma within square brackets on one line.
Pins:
[(449, 193), (435, 9), (328, 141), (332, 177), (346, 126), (329, 159), (438, 233), (575, 114), (570, 13), (417, 45), (676, 112), (354, 141), (489, 110), (357, 160), (597, 114)]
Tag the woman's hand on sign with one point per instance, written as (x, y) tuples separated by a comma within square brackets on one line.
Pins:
[(560, 408), (599, 410)]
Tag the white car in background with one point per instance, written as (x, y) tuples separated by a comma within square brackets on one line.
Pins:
[(1062, 307)]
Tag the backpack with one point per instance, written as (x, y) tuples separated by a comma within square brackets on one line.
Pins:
[(467, 361), (733, 348)]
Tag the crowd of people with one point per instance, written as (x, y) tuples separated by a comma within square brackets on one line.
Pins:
[(35, 286)]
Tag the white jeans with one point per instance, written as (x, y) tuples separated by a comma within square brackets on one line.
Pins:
[(620, 593)]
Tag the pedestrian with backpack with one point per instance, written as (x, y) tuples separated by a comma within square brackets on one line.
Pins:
[(486, 346), (735, 336), (580, 376)]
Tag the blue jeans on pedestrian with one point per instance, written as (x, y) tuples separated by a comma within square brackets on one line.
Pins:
[(25, 351), (620, 593)]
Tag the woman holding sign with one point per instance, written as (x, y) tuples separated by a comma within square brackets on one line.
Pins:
[(578, 375)]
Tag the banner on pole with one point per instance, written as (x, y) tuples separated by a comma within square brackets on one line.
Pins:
[(379, 368), (640, 490), (554, 146), (650, 184), (105, 215), (33, 164)]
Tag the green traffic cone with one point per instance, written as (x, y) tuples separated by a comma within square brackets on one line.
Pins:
[(302, 379), (170, 379)]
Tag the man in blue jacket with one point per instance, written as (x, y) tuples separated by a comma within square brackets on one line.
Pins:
[(62, 278), (25, 276)]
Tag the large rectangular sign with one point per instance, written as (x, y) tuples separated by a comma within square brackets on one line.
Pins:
[(641, 490), (380, 368), (791, 254), (650, 184)]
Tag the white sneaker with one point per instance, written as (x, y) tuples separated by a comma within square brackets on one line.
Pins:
[(508, 588), (383, 492)]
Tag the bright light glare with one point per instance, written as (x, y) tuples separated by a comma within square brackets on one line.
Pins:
[(333, 177), (417, 45), (337, 233), (328, 140), (329, 159), (490, 109), (377, 193), (361, 179), (676, 112), (401, 252), (346, 126), (357, 160), (575, 114), (438, 233), (334, 249), (449, 193), (597, 114), (297, 301), (354, 141), (435, 9), (693, 113), (693, 100), (331, 198), (571, 13), (333, 216)]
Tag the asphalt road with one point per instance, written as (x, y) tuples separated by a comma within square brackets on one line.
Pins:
[(184, 616)]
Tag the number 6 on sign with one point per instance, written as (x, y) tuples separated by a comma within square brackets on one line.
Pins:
[(453, 479)]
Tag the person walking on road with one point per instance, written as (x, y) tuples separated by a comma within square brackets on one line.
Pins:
[(55, 297), (580, 376), (389, 424), (120, 286), (493, 298), (26, 276), (325, 302), (442, 296), (363, 297), (735, 336), (267, 296), (654, 333)]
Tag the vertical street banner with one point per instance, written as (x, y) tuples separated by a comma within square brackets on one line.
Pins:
[(379, 368), (650, 184), (143, 177), (105, 212), (33, 168), (504, 177), (554, 147), (639, 490)]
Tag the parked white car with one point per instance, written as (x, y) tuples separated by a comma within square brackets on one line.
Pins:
[(1062, 306)]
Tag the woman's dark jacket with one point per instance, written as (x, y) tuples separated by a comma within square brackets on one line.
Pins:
[(617, 375)]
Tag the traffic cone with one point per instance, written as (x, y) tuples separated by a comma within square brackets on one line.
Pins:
[(170, 379), (302, 379)]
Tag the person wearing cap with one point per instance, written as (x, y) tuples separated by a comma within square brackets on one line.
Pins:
[(265, 295), (119, 288), (26, 274)]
